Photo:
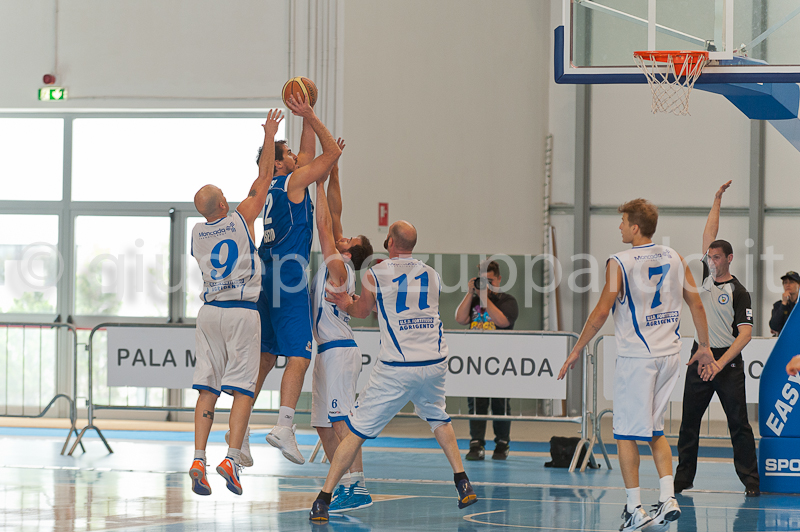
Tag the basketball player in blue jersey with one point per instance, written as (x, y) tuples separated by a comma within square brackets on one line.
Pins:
[(644, 288), (228, 325), (411, 363), (338, 362), (284, 301)]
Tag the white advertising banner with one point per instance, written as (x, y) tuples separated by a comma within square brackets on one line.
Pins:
[(513, 365), (755, 355)]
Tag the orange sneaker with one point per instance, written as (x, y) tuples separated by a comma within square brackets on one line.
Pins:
[(230, 471), (200, 483)]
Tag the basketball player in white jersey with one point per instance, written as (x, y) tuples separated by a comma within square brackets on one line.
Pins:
[(411, 363), (644, 288), (338, 362), (228, 325)]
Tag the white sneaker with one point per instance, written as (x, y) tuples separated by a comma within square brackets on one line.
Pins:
[(663, 514), (283, 438), (636, 520), (245, 458)]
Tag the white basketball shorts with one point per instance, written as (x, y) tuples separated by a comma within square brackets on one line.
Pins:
[(228, 343), (390, 388), (334, 385), (642, 387)]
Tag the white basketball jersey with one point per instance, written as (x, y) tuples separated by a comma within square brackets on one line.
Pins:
[(407, 294), (330, 322), (228, 260), (647, 312)]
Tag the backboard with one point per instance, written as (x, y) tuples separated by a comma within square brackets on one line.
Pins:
[(749, 41)]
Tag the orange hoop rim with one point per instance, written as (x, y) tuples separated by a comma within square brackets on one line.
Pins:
[(678, 56)]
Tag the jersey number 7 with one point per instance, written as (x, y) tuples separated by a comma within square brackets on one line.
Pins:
[(662, 271)]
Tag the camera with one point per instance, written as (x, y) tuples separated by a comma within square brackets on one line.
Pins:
[(481, 283)]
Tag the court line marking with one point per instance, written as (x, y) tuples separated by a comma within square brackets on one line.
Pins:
[(471, 518)]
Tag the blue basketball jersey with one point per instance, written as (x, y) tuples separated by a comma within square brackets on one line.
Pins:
[(288, 227)]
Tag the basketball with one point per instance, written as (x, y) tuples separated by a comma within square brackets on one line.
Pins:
[(302, 85)]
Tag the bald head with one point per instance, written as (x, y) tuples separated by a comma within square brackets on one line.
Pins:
[(404, 235), (210, 202)]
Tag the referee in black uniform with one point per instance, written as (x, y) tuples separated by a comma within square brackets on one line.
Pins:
[(730, 325)]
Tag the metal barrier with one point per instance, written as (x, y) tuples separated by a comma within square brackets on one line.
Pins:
[(586, 419), (60, 340), (599, 417)]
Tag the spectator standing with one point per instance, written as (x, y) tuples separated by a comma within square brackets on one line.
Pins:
[(484, 307), (781, 309)]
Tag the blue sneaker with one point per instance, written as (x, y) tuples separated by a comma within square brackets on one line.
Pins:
[(357, 497), (466, 495), (319, 512), (339, 497)]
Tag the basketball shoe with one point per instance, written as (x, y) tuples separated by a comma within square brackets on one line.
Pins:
[(230, 472), (636, 520), (245, 459), (663, 514), (319, 512), (466, 495), (284, 439), (200, 483), (355, 497)]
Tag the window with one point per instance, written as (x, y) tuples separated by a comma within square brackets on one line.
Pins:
[(30, 264), (31, 158), (122, 266)]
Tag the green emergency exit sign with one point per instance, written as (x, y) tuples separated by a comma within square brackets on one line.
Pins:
[(53, 93)]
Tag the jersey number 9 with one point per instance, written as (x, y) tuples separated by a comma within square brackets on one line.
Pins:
[(232, 255)]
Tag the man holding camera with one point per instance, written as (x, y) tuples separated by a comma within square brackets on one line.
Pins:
[(484, 307)]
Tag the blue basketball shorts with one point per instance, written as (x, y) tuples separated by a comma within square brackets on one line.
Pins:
[(285, 309)]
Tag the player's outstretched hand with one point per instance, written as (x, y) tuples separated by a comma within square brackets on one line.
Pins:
[(722, 189), (793, 367), (298, 106), (274, 118), (569, 364), (340, 143)]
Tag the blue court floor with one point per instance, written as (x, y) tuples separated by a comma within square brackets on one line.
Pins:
[(143, 485)]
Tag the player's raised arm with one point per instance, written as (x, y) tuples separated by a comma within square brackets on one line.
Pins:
[(712, 223), (360, 306), (308, 145), (335, 197), (703, 354), (319, 167), (251, 207), (337, 272), (598, 316)]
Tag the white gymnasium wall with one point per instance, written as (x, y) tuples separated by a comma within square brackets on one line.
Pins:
[(446, 118), (145, 54)]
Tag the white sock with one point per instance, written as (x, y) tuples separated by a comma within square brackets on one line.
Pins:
[(285, 416), (200, 454), (345, 480), (234, 454), (634, 498), (667, 484), (358, 476)]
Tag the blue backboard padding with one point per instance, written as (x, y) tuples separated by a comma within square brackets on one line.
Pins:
[(760, 101), (790, 129), (778, 405)]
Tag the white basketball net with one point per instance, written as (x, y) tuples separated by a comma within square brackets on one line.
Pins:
[(671, 88)]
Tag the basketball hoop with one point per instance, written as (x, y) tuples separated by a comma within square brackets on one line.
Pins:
[(671, 75)]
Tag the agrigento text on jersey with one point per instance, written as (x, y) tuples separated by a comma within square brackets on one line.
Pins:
[(661, 318), (416, 323)]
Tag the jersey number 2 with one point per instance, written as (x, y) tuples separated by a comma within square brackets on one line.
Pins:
[(662, 271), (402, 291)]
